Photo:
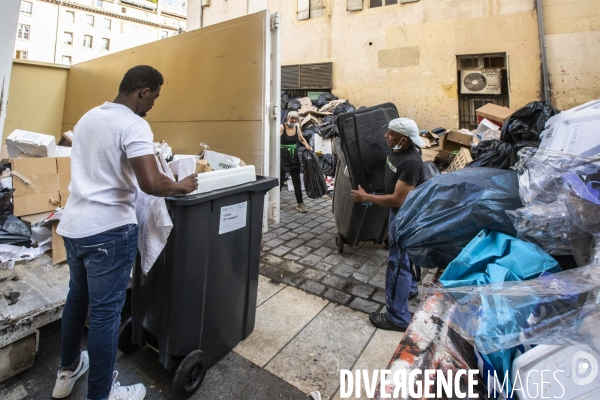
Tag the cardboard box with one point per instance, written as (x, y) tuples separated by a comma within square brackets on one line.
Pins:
[(494, 113), (59, 252), (35, 144), (49, 179), (453, 141), (202, 166)]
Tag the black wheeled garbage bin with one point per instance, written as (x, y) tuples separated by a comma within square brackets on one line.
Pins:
[(362, 151), (199, 299)]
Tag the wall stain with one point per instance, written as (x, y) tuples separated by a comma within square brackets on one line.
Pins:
[(451, 90)]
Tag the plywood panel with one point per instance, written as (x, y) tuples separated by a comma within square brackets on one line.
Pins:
[(213, 90), (37, 95)]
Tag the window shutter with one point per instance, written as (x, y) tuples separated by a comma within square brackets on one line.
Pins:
[(303, 9), (354, 5), (316, 76), (317, 8), (290, 77)]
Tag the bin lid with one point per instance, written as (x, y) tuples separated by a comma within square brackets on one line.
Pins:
[(262, 184)]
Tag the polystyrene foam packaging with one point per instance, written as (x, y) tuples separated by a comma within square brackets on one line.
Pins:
[(209, 181)]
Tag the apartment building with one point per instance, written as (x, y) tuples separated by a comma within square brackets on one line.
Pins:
[(72, 31)]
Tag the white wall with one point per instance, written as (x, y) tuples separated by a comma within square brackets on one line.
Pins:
[(9, 15)]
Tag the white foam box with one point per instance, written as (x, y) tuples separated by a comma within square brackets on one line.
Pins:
[(221, 179), (35, 144), (557, 385)]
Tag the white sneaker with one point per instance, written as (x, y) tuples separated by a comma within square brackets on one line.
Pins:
[(65, 380), (133, 392)]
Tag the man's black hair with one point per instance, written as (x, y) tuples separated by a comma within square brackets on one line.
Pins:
[(140, 77)]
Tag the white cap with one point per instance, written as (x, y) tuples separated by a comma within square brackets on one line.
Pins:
[(406, 127)]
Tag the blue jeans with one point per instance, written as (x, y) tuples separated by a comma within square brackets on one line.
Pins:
[(397, 307), (100, 267)]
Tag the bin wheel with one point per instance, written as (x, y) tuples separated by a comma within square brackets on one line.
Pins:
[(189, 375), (125, 344), (339, 242)]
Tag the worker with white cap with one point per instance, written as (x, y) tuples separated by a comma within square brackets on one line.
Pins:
[(403, 172)]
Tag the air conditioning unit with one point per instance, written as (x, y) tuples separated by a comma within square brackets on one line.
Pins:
[(486, 81)]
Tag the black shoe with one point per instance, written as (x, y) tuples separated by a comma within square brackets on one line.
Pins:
[(379, 320), (413, 295)]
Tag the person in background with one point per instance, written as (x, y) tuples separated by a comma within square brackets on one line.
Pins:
[(403, 173), (112, 149), (291, 135)]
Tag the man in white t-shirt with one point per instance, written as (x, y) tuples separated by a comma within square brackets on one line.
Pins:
[(112, 150)]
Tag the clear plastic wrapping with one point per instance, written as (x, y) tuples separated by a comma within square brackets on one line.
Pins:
[(556, 309)]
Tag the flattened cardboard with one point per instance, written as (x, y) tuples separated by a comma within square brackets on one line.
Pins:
[(34, 203)]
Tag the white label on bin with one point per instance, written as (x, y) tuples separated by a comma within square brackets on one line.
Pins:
[(233, 217)]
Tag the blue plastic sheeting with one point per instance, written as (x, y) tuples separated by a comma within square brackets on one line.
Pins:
[(493, 257), (440, 217)]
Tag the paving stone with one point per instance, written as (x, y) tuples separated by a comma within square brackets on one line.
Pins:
[(280, 250), (311, 260), (361, 277), (355, 261), (273, 273), (312, 274), (294, 243), (292, 280), (293, 225), (290, 266), (313, 287), (301, 230), (343, 270), (307, 236), (315, 243), (279, 231), (336, 295), (383, 252), (323, 251), (360, 290), (369, 269), (363, 305), (378, 280), (319, 229), (291, 257), (268, 236), (311, 224), (322, 266), (302, 250), (334, 282), (331, 244), (274, 242), (287, 236), (333, 259), (379, 296), (271, 259)]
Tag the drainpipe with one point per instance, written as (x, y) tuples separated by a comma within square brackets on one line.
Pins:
[(540, 13), (201, 12), (56, 37)]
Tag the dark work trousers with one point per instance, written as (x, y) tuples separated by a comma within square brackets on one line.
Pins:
[(295, 173)]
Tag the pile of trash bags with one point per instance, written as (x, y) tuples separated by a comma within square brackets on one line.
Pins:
[(523, 129)]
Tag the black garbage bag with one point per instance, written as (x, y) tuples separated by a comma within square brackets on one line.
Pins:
[(294, 105), (324, 98), (314, 181), (328, 119), (284, 99), (343, 108), (440, 217), (327, 163), (309, 132), (15, 231), (430, 170), (497, 154), (527, 122), (5, 198), (328, 131)]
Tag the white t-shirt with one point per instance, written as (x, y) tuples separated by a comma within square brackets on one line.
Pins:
[(103, 185)]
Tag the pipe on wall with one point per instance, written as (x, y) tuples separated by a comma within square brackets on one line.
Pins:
[(545, 75)]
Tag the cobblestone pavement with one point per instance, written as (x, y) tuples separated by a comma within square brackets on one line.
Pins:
[(301, 252)]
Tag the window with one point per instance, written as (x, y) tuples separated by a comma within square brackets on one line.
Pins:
[(310, 9), (66, 60), (123, 10), (89, 20), (105, 44), (87, 41), (164, 35), (70, 17), (68, 38), (99, 3), (23, 31), (106, 24), (379, 3), (122, 27), (26, 7), (21, 54)]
